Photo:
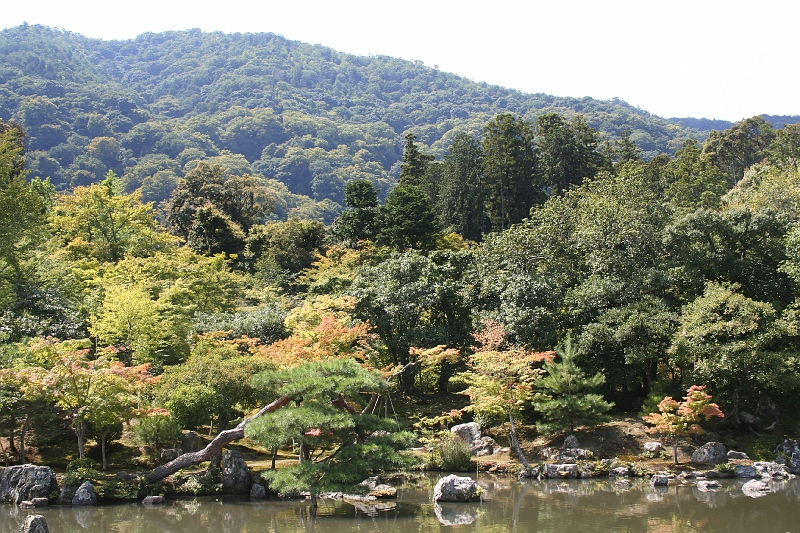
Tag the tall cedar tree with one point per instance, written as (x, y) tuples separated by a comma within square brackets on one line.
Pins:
[(510, 164), (412, 169)]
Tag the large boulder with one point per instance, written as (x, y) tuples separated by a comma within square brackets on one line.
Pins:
[(35, 523), (555, 471), (169, 454), (571, 442), (789, 450), (467, 432), (482, 447), (659, 480), (653, 447), (772, 470), (191, 442), (454, 488), (710, 453), (234, 473), (26, 482), (85, 495), (258, 492)]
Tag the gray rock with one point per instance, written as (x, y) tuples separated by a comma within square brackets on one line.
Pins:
[(620, 471), (371, 482), (468, 432), (790, 450), (258, 492), (234, 473), (85, 495), (153, 500), (771, 470), (383, 491), (482, 447), (36, 502), (191, 442), (169, 454), (708, 485), (746, 472), (26, 482), (570, 442), (569, 455), (755, 488), (659, 480), (653, 447), (35, 523), (454, 488), (737, 455), (556, 471), (66, 494), (710, 453), (125, 477)]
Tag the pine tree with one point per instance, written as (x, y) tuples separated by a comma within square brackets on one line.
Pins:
[(565, 399)]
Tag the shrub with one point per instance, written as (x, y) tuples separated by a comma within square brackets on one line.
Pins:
[(81, 470), (157, 429), (452, 454)]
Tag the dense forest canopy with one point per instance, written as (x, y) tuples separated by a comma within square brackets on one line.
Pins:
[(184, 211)]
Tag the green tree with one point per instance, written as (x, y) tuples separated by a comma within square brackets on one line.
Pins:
[(510, 165), (407, 220), (412, 169), (417, 300), (357, 222), (568, 151), (100, 222), (564, 398), (339, 446), (739, 147), (728, 341), (462, 191), (213, 384), (22, 211)]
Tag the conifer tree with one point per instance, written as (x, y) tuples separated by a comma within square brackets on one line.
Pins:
[(566, 398)]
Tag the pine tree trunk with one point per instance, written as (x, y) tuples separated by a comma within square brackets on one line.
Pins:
[(103, 450), (22, 433), (515, 443)]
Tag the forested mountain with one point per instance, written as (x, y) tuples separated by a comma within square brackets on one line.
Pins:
[(224, 206), (305, 117)]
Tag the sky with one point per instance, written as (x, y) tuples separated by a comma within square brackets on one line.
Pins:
[(718, 59)]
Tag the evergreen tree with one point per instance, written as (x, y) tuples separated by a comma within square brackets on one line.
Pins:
[(407, 219), (461, 199), (566, 400), (510, 164), (414, 162), (339, 446), (357, 221)]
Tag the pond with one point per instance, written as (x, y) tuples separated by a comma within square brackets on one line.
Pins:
[(529, 506)]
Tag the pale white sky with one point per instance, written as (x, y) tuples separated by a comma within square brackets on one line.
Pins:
[(723, 59)]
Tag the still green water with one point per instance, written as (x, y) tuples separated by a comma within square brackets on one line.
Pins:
[(531, 506)]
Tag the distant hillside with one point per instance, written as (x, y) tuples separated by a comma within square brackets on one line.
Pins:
[(706, 125), (308, 117)]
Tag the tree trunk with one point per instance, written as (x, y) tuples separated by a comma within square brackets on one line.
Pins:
[(79, 431), (274, 457), (215, 446), (22, 433), (103, 450), (675, 450), (515, 443)]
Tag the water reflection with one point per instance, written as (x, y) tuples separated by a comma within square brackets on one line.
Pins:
[(530, 506)]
